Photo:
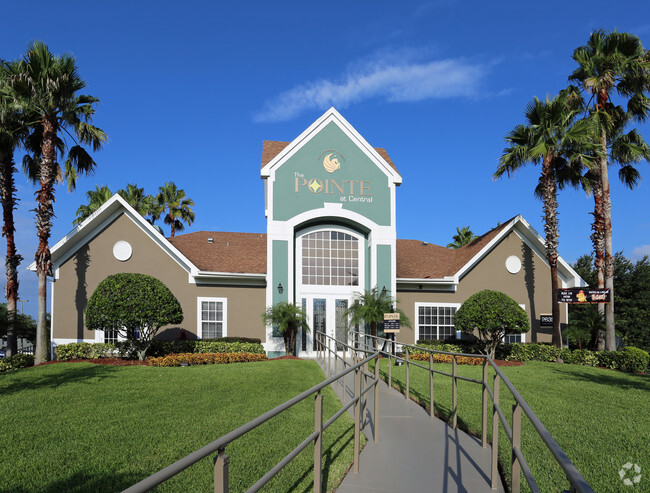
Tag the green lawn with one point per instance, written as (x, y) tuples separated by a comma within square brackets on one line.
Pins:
[(80, 427), (600, 418)]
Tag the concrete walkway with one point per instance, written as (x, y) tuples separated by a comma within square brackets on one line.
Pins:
[(414, 453)]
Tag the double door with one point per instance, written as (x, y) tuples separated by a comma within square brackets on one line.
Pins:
[(325, 314)]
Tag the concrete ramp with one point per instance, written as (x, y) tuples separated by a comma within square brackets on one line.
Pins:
[(414, 452)]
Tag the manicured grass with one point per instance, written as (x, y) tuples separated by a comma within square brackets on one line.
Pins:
[(81, 427), (600, 418)]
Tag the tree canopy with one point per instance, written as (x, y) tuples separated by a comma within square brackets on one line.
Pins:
[(135, 305), (288, 318), (492, 314)]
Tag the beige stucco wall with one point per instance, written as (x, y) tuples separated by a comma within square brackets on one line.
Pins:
[(93, 262), (531, 287)]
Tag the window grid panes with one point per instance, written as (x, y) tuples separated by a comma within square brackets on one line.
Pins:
[(512, 338), (436, 322), (211, 319), (111, 336), (330, 258)]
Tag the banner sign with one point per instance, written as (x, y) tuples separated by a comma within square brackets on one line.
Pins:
[(546, 320), (391, 322), (583, 295)]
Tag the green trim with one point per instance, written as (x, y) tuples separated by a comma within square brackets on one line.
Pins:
[(384, 268)]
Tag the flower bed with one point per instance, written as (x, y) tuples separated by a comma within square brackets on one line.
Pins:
[(205, 359)]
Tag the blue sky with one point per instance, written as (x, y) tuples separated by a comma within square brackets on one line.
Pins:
[(189, 90)]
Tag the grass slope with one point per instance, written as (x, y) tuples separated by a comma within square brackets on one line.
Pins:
[(81, 427), (600, 418)]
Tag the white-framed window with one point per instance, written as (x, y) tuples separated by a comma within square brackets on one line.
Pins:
[(436, 321), (211, 318), (330, 258), (513, 338)]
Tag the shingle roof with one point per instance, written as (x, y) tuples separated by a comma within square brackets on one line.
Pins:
[(271, 148), (246, 253), (228, 252)]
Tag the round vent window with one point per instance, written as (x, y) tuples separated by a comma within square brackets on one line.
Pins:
[(122, 250), (513, 264)]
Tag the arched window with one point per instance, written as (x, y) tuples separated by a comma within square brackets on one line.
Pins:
[(330, 258)]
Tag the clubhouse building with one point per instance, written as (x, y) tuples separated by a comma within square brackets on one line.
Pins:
[(330, 201)]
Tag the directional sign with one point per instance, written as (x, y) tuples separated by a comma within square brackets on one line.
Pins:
[(391, 322)]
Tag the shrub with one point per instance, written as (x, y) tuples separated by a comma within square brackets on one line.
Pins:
[(227, 347), (492, 314), (205, 359), (16, 361), (84, 350), (235, 339), (163, 348), (447, 358), (634, 360)]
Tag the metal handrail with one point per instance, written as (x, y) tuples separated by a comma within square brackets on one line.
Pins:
[(576, 480), (221, 472)]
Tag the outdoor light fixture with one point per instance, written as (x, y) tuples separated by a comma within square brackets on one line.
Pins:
[(383, 291), (280, 288)]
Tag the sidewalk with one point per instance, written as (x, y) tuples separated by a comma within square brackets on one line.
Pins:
[(415, 453)]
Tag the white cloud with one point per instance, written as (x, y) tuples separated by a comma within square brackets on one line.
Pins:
[(385, 78), (641, 251)]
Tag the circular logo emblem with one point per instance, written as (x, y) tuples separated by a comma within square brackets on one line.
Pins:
[(630, 474), (331, 162)]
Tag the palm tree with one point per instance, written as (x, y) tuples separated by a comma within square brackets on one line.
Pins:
[(552, 139), (176, 207), (96, 198), (611, 64), (12, 131), (136, 198), (288, 318), (47, 85), (463, 237), (370, 306)]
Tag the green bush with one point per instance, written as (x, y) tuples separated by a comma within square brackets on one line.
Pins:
[(16, 361), (84, 350), (437, 346), (234, 339), (218, 346), (634, 360), (163, 348)]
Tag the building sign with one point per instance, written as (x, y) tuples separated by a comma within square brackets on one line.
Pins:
[(391, 322), (546, 320), (583, 295)]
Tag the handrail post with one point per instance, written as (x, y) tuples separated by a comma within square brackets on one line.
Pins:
[(376, 417), (357, 418), (221, 472), (454, 394), (516, 444), (318, 445), (485, 404), (408, 391), (432, 414), (329, 357), (336, 357), (495, 433), (390, 371)]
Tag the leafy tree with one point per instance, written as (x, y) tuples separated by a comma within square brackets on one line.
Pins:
[(25, 326), (135, 305), (492, 314), (463, 237), (555, 140), (48, 86), (613, 64), (288, 318), (370, 306), (136, 198), (176, 207), (96, 198)]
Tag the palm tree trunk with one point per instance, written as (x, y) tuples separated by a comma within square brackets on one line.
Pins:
[(44, 214), (12, 261), (598, 240), (610, 334), (551, 231)]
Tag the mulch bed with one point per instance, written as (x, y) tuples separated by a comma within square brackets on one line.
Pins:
[(501, 362), (284, 357)]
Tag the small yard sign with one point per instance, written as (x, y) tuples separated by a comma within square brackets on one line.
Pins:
[(391, 322)]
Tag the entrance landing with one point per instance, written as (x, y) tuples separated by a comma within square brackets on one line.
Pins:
[(414, 452)]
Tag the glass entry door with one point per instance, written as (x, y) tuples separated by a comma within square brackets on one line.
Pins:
[(325, 314)]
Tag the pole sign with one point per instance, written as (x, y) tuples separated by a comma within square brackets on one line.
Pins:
[(546, 320), (391, 323), (583, 295)]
